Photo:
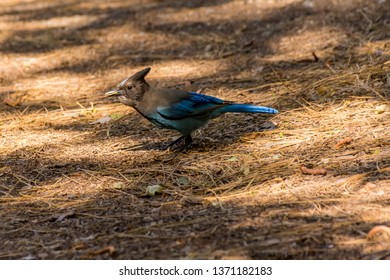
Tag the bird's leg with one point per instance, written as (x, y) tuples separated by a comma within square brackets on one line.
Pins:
[(174, 142), (187, 142)]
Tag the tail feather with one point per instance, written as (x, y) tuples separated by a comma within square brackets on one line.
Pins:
[(247, 108)]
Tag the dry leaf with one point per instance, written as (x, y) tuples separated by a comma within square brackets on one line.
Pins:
[(343, 142), (118, 185), (313, 171), (65, 215), (107, 249), (152, 190), (115, 116), (13, 100), (78, 246), (380, 109), (246, 170), (232, 159), (102, 120), (376, 229)]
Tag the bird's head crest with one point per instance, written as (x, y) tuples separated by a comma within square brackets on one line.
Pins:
[(132, 89)]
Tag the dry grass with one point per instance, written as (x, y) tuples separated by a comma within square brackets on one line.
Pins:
[(71, 189)]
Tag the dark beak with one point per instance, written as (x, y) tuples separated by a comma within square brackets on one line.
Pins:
[(115, 92)]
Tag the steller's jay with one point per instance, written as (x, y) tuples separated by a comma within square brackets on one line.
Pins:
[(176, 109)]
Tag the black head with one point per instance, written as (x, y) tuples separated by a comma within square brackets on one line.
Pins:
[(131, 90)]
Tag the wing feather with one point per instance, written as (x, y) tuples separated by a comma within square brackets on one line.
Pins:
[(195, 105)]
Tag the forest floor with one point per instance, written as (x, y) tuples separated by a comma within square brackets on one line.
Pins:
[(76, 169)]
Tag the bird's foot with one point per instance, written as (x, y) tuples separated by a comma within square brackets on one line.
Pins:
[(173, 143), (180, 148), (187, 142)]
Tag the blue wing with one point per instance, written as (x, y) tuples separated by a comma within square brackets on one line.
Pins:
[(195, 105)]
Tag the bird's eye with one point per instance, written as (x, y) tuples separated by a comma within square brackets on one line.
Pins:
[(129, 87)]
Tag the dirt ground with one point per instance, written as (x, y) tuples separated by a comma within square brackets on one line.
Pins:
[(75, 166)]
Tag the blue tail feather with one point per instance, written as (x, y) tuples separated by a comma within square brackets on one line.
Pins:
[(247, 108)]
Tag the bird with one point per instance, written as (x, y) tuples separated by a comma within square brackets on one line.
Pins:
[(176, 109)]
